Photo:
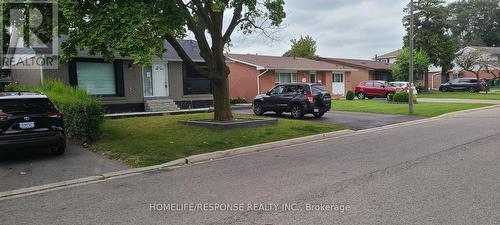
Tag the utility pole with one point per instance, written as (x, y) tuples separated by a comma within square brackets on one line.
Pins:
[(410, 97)]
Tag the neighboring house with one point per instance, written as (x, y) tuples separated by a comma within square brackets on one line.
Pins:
[(256, 74), (490, 54), (435, 77), (167, 84), (389, 57), (365, 70)]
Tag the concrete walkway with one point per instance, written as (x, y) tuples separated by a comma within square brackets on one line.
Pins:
[(457, 100)]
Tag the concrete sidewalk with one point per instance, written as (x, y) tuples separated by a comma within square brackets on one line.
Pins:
[(457, 100)]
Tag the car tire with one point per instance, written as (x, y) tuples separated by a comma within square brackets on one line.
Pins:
[(278, 113), (319, 115), (472, 89), (258, 108), (58, 150), (361, 95), (444, 89), (297, 111)]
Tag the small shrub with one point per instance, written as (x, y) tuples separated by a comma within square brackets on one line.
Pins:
[(238, 100), (402, 97), (420, 88), (390, 97), (13, 87), (350, 95)]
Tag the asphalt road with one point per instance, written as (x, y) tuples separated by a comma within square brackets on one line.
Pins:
[(354, 120), (30, 167), (443, 171)]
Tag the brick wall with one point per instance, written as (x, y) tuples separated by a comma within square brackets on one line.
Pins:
[(242, 81)]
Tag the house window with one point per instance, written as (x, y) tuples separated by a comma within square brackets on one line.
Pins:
[(312, 78), (194, 83), (96, 78), (338, 78), (286, 77)]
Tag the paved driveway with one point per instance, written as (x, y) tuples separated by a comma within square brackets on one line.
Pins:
[(354, 120), (26, 168)]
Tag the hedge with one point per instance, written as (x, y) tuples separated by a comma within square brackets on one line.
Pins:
[(238, 100), (350, 95), (403, 97), (83, 114)]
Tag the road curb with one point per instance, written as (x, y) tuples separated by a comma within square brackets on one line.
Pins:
[(45, 187), (465, 111), (262, 147), (169, 165)]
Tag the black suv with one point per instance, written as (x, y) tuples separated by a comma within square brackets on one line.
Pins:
[(298, 99), (465, 84), (30, 120)]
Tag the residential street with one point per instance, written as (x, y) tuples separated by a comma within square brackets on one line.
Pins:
[(353, 120), (22, 169), (444, 171)]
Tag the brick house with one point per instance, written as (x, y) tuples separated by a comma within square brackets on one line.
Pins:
[(490, 53), (256, 74), (365, 70)]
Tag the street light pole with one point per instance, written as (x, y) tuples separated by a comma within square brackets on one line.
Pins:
[(410, 97)]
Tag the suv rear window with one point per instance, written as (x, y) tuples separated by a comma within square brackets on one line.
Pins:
[(317, 89), (26, 106)]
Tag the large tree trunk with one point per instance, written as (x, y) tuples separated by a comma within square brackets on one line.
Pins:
[(222, 110)]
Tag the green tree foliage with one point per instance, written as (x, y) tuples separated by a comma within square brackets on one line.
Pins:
[(304, 47), (138, 29), (475, 22), (431, 32), (401, 67)]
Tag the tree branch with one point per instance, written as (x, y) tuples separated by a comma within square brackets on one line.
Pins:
[(199, 33), (234, 22), (185, 57), (203, 13)]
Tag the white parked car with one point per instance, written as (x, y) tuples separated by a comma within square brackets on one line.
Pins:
[(402, 85)]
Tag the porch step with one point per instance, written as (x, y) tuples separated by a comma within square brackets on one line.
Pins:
[(160, 105)]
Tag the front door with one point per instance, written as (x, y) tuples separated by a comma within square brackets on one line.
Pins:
[(338, 84), (156, 81), (160, 86)]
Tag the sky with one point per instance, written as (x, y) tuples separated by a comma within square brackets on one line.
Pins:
[(341, 28)]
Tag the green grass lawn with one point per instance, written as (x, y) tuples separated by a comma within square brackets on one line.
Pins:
[(421, 109), (146, 141), (462, 95)]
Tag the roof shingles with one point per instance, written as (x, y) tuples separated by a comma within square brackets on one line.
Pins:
[(262, 62), (359, 63)]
